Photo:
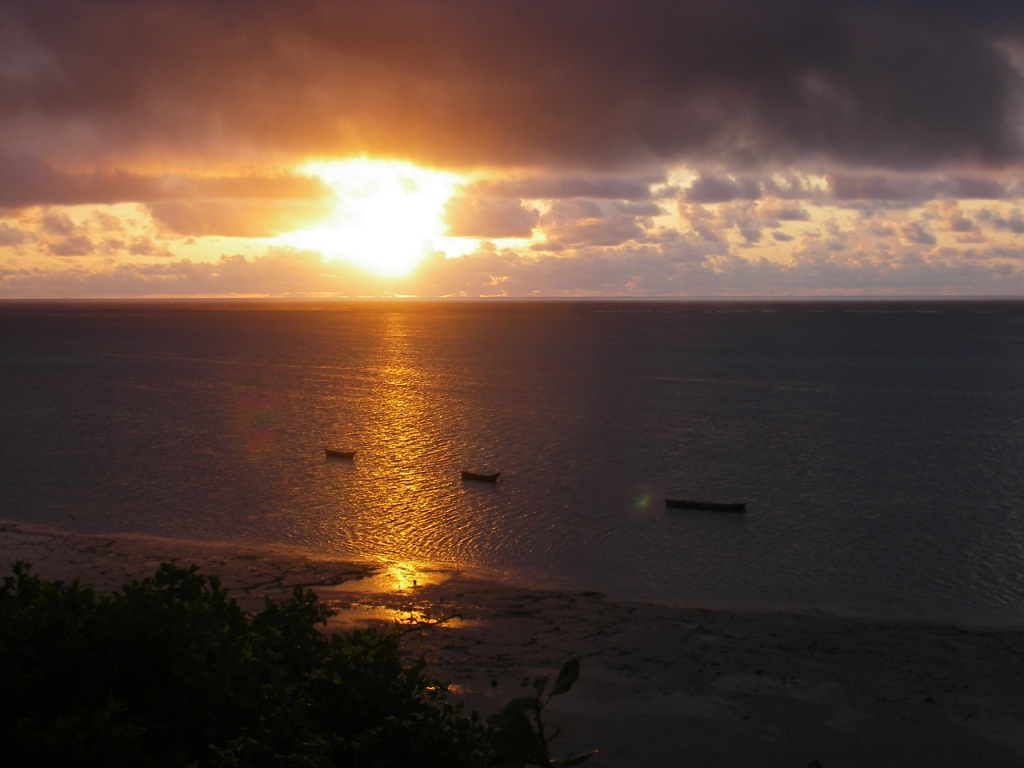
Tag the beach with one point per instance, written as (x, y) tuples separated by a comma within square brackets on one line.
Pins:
[(660, 685)]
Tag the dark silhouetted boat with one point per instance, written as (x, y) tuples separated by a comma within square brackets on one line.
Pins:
[(493, 478), (332, 453), (708, 506)]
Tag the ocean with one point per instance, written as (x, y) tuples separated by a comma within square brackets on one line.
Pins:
[(879, 446)]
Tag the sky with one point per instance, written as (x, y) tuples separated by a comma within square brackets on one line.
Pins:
[(635, 148)]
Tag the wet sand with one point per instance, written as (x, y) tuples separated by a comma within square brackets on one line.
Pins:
[(659, 686)]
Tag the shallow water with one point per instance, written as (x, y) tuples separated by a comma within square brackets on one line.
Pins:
[(879, 446)]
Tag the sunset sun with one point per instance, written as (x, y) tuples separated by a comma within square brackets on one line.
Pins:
[(387, 218)]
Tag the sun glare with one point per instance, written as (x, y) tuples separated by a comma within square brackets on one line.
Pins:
[(388, 215)]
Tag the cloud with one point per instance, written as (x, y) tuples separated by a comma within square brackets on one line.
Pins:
[(774, 211), (276, 272), (1011, 221), (657, 145), (57, 223), (720, 189), (846, 186), (11, 235), (530, 83), (583, 223), (683, 267), (52, 231), (233, 218), (26, 180), (565, 187), (952, 218), (468, 216), (917, 234), (917, 187), (242, 206)]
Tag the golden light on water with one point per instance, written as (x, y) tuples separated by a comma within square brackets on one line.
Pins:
[(408, 424), (399, 504), (388, 217), (403, 576), (392, 595)]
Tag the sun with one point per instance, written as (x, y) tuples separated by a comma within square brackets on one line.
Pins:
[(387, 218)]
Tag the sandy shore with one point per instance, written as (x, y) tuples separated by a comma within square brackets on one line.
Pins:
[(659, 686)]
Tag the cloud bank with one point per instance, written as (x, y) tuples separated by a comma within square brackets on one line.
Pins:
[(652, 147)]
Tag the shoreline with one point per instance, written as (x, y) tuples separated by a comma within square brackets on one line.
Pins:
[(659, 686)]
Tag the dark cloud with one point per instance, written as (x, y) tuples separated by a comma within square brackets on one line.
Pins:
[(915, 188), (1013, 222), (873, 187), (720, 189), (641, 210), (916, 233), (144, 246), (74, 245), (892, 186), (11, 235), (702, 223), (561, 188), (26, 180), (468, 216), (586, 223), (489, 82), (244, 206), (57, 223), (777, 210), (955, 220), (974, 188)]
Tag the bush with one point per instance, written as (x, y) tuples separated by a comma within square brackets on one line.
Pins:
[(170, 672)]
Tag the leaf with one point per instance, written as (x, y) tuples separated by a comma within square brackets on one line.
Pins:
[(567, 676)]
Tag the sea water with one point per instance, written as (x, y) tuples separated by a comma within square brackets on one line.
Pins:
[(879, 446)]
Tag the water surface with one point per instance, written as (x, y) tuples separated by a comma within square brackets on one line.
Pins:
[(879, 446)]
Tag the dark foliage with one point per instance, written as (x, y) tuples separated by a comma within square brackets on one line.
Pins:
[(171, 672)]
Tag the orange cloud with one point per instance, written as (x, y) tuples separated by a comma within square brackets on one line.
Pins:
[(235, 218)]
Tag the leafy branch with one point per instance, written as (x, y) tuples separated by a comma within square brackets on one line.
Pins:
[(519, 734)]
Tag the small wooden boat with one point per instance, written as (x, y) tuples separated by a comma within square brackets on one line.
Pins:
[(332, 453), (493, 478), (709, 506)]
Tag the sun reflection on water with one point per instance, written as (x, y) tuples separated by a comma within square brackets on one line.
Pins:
[(405, 504), (394, 594), (401, 577)]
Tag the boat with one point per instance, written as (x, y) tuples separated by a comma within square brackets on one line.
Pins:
[(709, 506), (332, 453), (492, 478)]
